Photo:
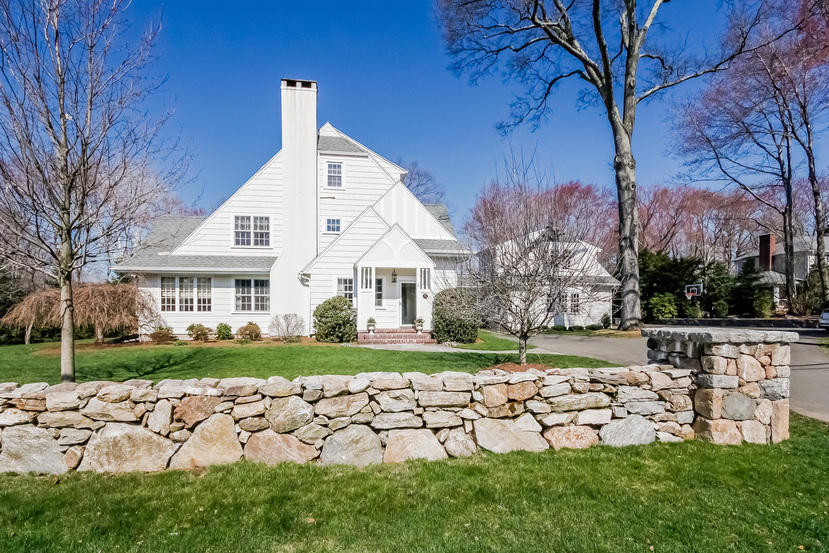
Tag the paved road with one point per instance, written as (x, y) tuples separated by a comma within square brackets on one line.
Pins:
[(810, 363)]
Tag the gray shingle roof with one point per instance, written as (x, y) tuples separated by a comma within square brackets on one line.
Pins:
[(169, 231), (441, 213), (440, 246), (337, 144)]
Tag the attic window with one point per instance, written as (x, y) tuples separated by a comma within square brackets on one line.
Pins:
[(335, 175)]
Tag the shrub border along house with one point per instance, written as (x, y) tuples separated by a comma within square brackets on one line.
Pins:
[(721, 386)]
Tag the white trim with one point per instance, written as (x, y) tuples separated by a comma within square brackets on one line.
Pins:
[(343, 186), (310, 265), (233, 245)]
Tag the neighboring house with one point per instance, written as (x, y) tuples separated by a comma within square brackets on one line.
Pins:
[(770, 259), (325, 216), (587, 290)]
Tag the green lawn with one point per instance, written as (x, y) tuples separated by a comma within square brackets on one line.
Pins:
[(689, 497), (489, 341), (40, 362)]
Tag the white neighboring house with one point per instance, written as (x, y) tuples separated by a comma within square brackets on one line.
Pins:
[(325, 216)]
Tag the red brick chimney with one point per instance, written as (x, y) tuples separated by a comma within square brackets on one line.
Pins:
[(767, 245)]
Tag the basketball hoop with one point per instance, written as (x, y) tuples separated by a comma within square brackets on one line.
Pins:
[(692, 290)]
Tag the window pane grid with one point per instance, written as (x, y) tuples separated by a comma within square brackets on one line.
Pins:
[(185, 294), (243, 295), (574, 303), (261, 231), (261, 295), (378, 292), (204, 299), (335, 175), (241, 228), (332, 225), (168, 293), (345, 288)]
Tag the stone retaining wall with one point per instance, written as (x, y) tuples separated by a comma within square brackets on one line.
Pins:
[(741, 376), (712, 389)]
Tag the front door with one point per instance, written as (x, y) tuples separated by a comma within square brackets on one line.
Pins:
[(408, 303)]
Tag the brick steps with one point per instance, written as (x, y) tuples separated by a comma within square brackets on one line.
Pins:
[(395, 336)]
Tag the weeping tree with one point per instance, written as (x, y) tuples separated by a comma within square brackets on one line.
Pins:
[(621, 51), (104, 307), (81, 161)]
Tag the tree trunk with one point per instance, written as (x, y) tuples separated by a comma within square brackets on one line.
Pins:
[(27, 339), (788, 249), (820, 224), (67, 316), (522, 350), (625, 167), (99, 334)]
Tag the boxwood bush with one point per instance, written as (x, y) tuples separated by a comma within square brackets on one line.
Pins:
[(335, 320), (452, 319)]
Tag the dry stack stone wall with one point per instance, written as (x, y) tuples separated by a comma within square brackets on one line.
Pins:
[(390, 417), (741, 379)]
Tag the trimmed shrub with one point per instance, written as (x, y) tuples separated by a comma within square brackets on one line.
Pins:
[(199, 332), (663, 306), (692, 310), (288, 327), (335, 320), (595, 327), (606, 321), (224, 332), (250, 331), (163, 335), (720, 308), (453, 317), (764, 304)]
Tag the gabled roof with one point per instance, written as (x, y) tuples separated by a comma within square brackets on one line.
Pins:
[(168, 231), (338, 144), (441, 213), (159, 263), (385, 250), (441, 247)]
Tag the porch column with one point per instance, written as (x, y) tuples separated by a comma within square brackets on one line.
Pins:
[(425, 296)]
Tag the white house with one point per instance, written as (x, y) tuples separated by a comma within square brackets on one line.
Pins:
[(324, 216)]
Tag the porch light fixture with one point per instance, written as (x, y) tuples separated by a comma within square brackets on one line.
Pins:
[(393, 276)]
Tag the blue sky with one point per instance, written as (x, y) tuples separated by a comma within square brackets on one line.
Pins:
[(383, 79)]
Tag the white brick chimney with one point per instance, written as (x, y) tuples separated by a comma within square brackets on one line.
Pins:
[(299, 162)]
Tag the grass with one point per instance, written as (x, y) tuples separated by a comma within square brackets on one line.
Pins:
[(602, 333), (40, 362), (489, 341), (689, 497)]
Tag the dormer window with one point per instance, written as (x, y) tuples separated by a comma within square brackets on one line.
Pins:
[(251, 231), (335, 174)]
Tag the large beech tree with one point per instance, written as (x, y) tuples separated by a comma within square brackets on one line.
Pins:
[(616, 48)]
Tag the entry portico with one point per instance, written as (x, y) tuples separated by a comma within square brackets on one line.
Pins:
[(395, 284)]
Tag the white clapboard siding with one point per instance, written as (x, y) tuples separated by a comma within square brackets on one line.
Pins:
[(222, 309), (338, 260), (363, 184), (261, 195)]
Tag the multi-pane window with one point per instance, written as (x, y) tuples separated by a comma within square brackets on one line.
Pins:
[(262, 295), (244, 297), (365, 278), (241, 230), (345, 288), (574, 303), (168, 293), (253, 295), (185, 294), (335, 175), (204, 299), (255, 231), (332, 225), (425, 279), (378, 292), (261, 231)]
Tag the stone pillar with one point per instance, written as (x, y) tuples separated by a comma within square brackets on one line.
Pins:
[(741, 379)]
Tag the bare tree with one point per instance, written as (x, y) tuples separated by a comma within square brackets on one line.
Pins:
[(534, 252), (609, 45), (422, 183), (81, 161)]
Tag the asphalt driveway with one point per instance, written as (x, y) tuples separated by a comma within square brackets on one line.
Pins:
[(810, 363)]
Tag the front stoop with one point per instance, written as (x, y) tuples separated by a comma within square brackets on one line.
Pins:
[(395, 336)]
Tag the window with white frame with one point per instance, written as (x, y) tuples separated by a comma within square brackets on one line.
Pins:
[(332, 225), (425, 279), (168, 293), (261, 231), (262, 295), (241, 230), (185, 293), (335, 174), (365, 278), (204, 294), (345, 288), (253, 294), (574, 303), (378, 292)]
